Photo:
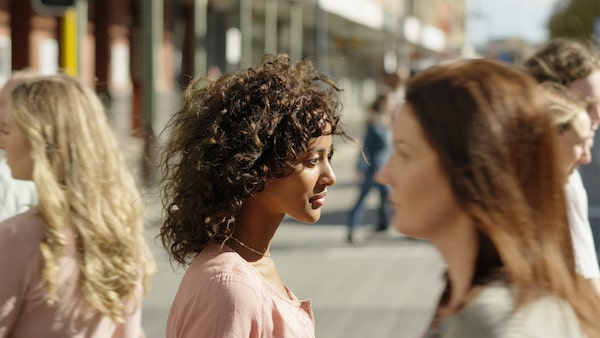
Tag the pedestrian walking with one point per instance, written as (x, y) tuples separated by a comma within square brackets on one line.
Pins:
[(375, 152), (474, 172), (245, 150), (76, 264), (576, 67)]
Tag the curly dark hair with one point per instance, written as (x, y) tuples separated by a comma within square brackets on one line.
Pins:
[(231, 137), (562, 61)]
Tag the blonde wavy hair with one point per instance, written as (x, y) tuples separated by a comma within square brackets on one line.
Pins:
[(562, 107), (84, 185)]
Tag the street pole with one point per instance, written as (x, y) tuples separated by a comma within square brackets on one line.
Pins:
[(70, 42), (321, 53), (200, 31), (74, 33), (152, 23), (271, 27), (81, 7), (246, 30), (296, 27)]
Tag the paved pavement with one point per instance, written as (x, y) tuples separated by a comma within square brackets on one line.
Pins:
[(385, 287)]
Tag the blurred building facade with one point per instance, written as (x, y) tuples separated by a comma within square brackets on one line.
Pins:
[(357, 42)]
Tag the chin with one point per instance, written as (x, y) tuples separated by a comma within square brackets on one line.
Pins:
[(405, 229), (311, 217)]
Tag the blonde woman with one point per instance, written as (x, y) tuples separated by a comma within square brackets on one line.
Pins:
[(16, 196), (572, 124), (574, 128), (577, 68), (76, 265)]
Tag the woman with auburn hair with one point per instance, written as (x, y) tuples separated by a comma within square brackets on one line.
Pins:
[(245, 150), (76, 264), (475, 172)]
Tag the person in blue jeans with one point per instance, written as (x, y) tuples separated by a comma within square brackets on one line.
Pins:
[(377, 147)]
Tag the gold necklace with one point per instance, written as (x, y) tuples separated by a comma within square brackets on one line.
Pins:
[(264, 253)]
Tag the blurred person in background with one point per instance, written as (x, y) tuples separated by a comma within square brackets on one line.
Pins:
[(576, 67), (76, 264), (245, 150), (16, 196), (475, 172), (376, 150), (573, 127)]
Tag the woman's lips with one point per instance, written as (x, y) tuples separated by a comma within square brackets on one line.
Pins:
[(318, 200)]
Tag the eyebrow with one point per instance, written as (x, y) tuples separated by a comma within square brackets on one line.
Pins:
[(590, 99), (319, 149), (402, 142), (406, 145)]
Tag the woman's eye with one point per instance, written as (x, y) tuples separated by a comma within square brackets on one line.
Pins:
[(401, 154), (313, 161)]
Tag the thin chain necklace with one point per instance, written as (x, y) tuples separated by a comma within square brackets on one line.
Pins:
[(264, 253)]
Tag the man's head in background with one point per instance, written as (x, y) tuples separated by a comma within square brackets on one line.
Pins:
[(574, 66)]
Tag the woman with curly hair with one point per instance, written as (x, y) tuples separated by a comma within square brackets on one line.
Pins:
[(245, 150), (75, 265)]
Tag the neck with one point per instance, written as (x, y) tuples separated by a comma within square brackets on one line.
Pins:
[(254, 229), (261, 252), (459, 248)]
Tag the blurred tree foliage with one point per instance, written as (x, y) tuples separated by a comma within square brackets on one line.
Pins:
[(575, 19)]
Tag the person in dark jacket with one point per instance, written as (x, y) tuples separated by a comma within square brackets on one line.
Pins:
[(376, 151)]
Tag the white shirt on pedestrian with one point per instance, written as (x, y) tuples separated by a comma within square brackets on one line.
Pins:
[(586, 260), (16, 196)]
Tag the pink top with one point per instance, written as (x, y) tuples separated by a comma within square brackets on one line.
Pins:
[(222, 295), (24, 311)]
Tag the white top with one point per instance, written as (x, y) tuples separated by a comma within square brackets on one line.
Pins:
[(492, 314), (586, 260), (15, 196)]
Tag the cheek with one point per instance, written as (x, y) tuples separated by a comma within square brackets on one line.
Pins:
[(569, 154), (426, 203), (382, 176), (12, 146)]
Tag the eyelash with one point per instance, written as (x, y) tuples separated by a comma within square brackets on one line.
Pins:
[(315, 160), (402, 155)]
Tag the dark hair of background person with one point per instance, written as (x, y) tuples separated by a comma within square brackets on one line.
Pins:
[(379, 100), (562, 61), (489, 126), (231, 137)]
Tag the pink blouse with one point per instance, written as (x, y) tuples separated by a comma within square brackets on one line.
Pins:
[(222, 295), (24, 310)]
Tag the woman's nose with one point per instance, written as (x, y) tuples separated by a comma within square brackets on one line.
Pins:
[(328, 176)]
